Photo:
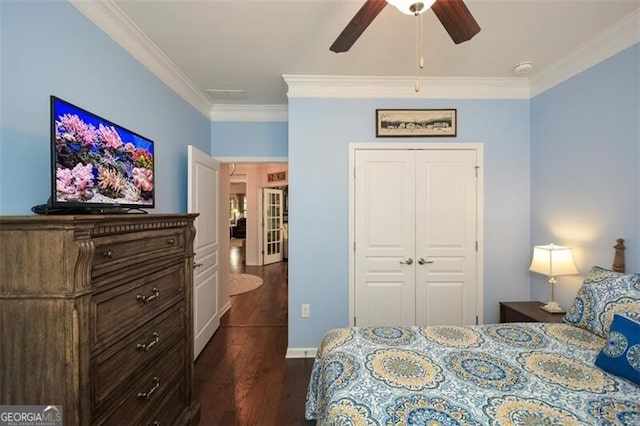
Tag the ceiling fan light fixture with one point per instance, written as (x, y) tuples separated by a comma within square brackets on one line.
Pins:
[(411, 7)]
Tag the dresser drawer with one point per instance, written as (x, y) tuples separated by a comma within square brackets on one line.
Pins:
[(122, 309), (135, 352), (116, 251), (170, 409), (144, 396)]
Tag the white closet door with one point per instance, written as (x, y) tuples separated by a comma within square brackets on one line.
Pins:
[(445, 237), (415, 237), (384, 234)]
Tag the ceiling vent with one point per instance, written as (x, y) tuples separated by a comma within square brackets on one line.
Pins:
[(236, 94)]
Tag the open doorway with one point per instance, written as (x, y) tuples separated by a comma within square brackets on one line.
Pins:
[(258, 319), (258, 213), (237, 220)]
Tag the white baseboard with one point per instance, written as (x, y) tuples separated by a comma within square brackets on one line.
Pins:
[(225, 308), (301, 352)]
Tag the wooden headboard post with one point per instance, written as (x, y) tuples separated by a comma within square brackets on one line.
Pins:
[(618, 258)]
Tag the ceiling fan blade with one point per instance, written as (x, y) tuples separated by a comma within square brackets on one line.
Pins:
[(456, 19), (357, 25)]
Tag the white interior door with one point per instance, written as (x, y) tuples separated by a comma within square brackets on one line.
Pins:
[(272, 238), (203, 187), (415, 237), (445, 237), (384, 227)]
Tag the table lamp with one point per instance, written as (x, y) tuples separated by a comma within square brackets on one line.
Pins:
[(553, 261)]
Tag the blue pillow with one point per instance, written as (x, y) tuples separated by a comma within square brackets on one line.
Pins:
[(603, 294), (621, 353)]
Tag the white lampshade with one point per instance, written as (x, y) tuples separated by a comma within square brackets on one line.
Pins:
[(407, 6), (553, 261)]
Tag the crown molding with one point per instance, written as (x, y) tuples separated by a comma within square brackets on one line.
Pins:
[(330, 86), (116, 24), (220, 112), (106, 15), (614, 39)]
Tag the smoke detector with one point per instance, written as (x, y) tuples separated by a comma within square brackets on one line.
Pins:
[(523, 68)]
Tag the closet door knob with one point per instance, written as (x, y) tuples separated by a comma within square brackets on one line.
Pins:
[(422, 261), (407, 261)]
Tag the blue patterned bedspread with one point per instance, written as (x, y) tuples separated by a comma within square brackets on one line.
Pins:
[(501, 374)]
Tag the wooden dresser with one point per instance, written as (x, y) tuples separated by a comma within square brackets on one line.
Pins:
[(96, 316)]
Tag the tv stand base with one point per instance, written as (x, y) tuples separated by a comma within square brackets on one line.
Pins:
[(48, 209)]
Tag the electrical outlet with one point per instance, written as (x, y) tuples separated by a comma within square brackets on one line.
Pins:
[(305, 311)]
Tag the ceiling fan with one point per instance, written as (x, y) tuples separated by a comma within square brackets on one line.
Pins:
[(453, 14)]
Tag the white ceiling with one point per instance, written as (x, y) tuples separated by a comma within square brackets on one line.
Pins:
[(249, 44)]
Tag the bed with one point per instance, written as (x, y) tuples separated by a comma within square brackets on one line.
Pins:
[(584, 371)]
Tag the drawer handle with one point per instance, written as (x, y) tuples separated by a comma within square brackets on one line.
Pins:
[(147, 395), (148, 346), (109, 254), (148, 299), (171, 241), (156, 423)]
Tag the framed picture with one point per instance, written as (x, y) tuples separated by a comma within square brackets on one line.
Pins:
[(394, 123), (276, 177)]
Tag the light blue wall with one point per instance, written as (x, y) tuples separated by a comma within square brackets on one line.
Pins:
[(320, 131), (585, 154), (50, 48), (249, 139)]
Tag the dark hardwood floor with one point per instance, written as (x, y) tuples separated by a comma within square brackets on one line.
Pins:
[(242, 376)]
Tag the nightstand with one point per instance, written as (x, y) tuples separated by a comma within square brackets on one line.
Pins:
[(526, 312)]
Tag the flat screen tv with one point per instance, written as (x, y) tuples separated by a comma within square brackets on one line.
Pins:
[(98, 166)]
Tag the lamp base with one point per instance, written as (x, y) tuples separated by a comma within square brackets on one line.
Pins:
[(553, 307)]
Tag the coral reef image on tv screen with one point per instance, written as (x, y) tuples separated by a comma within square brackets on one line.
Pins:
[(99, 162)]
